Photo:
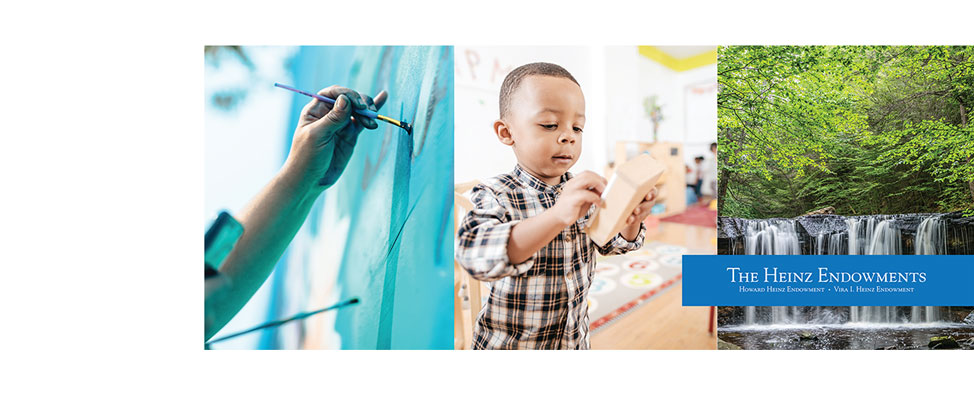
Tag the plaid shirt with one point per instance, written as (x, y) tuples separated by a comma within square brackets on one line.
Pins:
[(541, 303)]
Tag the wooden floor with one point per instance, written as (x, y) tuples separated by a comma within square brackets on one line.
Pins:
[(663, 323), (660, 324)]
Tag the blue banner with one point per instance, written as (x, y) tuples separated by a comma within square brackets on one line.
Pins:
[(828, 280)]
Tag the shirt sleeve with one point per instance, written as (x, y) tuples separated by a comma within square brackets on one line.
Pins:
[(619, 245), (482, 239)]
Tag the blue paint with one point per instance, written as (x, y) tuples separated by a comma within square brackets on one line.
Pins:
[(396, 196), (268, 338)]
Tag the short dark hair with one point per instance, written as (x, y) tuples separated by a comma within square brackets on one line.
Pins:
[(713, 145), (513, 80)]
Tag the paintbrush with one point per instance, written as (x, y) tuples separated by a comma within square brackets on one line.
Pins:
[(300, 316), (363, 112)]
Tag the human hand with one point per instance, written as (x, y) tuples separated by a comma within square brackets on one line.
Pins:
[(578, 195), (643, 208), (326, 134)]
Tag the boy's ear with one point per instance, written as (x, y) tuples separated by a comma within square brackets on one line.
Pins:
[(503, 132)]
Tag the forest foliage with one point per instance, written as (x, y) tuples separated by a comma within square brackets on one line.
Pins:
[(863, 129)]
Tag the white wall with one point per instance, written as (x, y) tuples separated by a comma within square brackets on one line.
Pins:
[(689, 105), (624, 98), (700, 110)]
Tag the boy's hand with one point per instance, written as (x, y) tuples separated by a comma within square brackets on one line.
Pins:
[(326, 135), (578, 195), (643, 208)]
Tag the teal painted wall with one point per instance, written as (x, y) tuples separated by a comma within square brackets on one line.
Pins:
[(395, 198)]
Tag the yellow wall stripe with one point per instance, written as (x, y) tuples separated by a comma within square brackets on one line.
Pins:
[(679, 65)]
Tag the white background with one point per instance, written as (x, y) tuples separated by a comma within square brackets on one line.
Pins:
[(101, 153)]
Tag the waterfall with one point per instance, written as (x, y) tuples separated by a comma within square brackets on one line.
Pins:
[(886, 314), (866, 235), (873, 239), (772, 237), (835, 315), (962, 239), (875, 314), (830, 244), (885, 240), (853, 225), (791, 315), (749, 317), (932, 314), (931, 237)]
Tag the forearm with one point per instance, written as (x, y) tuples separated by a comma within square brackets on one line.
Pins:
[(530, 235), (629, 232), (270, 221), (623, 243)]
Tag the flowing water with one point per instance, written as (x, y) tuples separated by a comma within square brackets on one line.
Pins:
[(931, 237), (772, 237), (869, 235), (864, 235)]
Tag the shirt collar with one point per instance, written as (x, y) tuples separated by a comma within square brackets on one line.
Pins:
[(538, 184)]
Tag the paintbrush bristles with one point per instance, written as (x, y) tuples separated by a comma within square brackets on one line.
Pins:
[(403, 125)]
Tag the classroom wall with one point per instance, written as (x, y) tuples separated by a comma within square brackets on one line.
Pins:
[(688, 101)]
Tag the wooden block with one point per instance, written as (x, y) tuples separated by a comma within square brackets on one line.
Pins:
[(627, 187), (672, 188)]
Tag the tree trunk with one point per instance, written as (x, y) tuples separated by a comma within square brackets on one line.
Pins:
[(963, 124), (963, 115), (970, 184), (722, 177), (721, 189)]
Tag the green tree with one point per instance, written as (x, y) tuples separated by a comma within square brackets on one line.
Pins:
[(923, 118), (865, 129)]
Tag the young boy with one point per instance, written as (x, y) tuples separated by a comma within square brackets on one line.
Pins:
[(525, 232)]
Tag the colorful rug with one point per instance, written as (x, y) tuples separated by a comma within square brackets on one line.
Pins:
[(695, 215), (624, 282)]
